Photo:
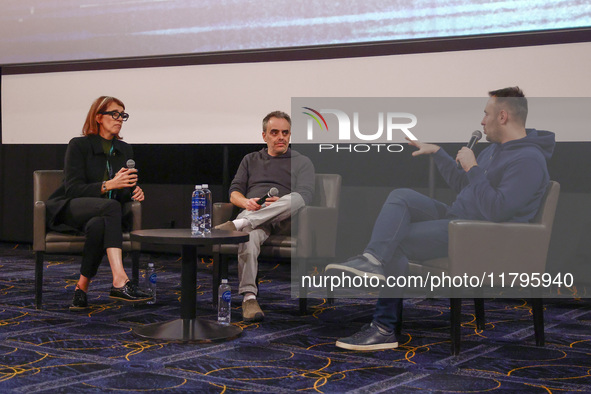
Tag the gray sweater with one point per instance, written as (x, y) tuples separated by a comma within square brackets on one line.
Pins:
[(258, 172)]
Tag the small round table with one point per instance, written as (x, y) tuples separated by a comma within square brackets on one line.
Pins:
[(188, 327)]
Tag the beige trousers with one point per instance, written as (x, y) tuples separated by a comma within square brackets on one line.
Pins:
[(272, 219)]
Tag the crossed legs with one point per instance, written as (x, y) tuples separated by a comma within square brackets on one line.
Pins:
[(275, 218), (101, 221), (409, 226), (262, 223)]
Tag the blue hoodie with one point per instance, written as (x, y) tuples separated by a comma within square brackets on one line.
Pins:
[(508, 183)]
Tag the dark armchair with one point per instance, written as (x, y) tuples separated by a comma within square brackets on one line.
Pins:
[(502, 247), (45, 182)]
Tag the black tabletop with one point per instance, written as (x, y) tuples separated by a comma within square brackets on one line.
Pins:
[(182, 236)]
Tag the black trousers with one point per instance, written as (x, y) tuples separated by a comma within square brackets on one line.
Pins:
[(101, 221)]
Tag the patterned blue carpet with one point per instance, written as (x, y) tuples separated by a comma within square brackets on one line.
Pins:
[(54, 350)]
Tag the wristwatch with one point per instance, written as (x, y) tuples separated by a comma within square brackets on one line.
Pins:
[(104, 187)]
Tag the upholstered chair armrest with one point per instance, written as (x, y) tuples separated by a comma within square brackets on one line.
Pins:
[(222, 212), (478, 247), (316, 232), (39, 226), (136, 211)]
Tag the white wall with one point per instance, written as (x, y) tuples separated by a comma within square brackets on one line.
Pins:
[(225, 103)]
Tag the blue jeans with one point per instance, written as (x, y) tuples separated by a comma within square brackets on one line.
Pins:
[(409, 226)]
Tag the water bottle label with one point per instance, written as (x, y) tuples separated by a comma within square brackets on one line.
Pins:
[(200, 202), (153, 278), (227, 296)]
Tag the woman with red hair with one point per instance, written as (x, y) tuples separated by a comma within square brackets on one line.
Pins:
[(97, 183)]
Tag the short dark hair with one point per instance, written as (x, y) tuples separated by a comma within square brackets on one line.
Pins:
[(514, 99), (275, 114)]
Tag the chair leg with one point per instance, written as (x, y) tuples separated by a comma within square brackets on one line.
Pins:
[(303, 306), (455, 317), (135, 267), (398, 327), (479, 313), (303, 291), (38, 279), (329, 295), (537, 306), (329, 292)]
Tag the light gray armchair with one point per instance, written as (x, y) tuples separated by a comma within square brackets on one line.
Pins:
[(502, 247), (314, 242), (45, 182)]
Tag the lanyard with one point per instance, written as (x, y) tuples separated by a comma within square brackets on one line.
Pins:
[(110, 170)]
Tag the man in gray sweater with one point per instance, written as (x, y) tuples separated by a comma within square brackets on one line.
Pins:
[(274, 166)]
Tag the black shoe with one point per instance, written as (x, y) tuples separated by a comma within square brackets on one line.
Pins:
[(129, 292), (79, 302), (371, 337), (357, 266)]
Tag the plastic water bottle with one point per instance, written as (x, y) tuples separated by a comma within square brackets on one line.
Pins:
[(224, 302), (151, 283), (207, 209), (200, 208), (196, 211)]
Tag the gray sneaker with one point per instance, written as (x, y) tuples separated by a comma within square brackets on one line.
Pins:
[(226, 226), (357, 266), (371, 337)]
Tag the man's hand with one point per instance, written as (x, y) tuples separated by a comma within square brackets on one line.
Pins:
[(466, 158), (238, 199), (250, 204), (270, 200), (423, 148)]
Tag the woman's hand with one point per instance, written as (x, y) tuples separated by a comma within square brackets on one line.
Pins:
[(138, 194), (126, 177)]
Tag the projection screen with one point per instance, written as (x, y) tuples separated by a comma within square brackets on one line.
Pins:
[(67, 30)]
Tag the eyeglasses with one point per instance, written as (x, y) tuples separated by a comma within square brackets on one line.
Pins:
[(116, 115)]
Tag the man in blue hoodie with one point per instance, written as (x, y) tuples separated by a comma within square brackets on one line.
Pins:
[(505, 184)]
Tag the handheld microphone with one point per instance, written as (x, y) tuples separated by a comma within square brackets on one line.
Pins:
[(272, 193), (474, 138), (130, 164)]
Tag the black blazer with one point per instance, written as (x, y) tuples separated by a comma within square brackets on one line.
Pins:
[(84, 169)]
